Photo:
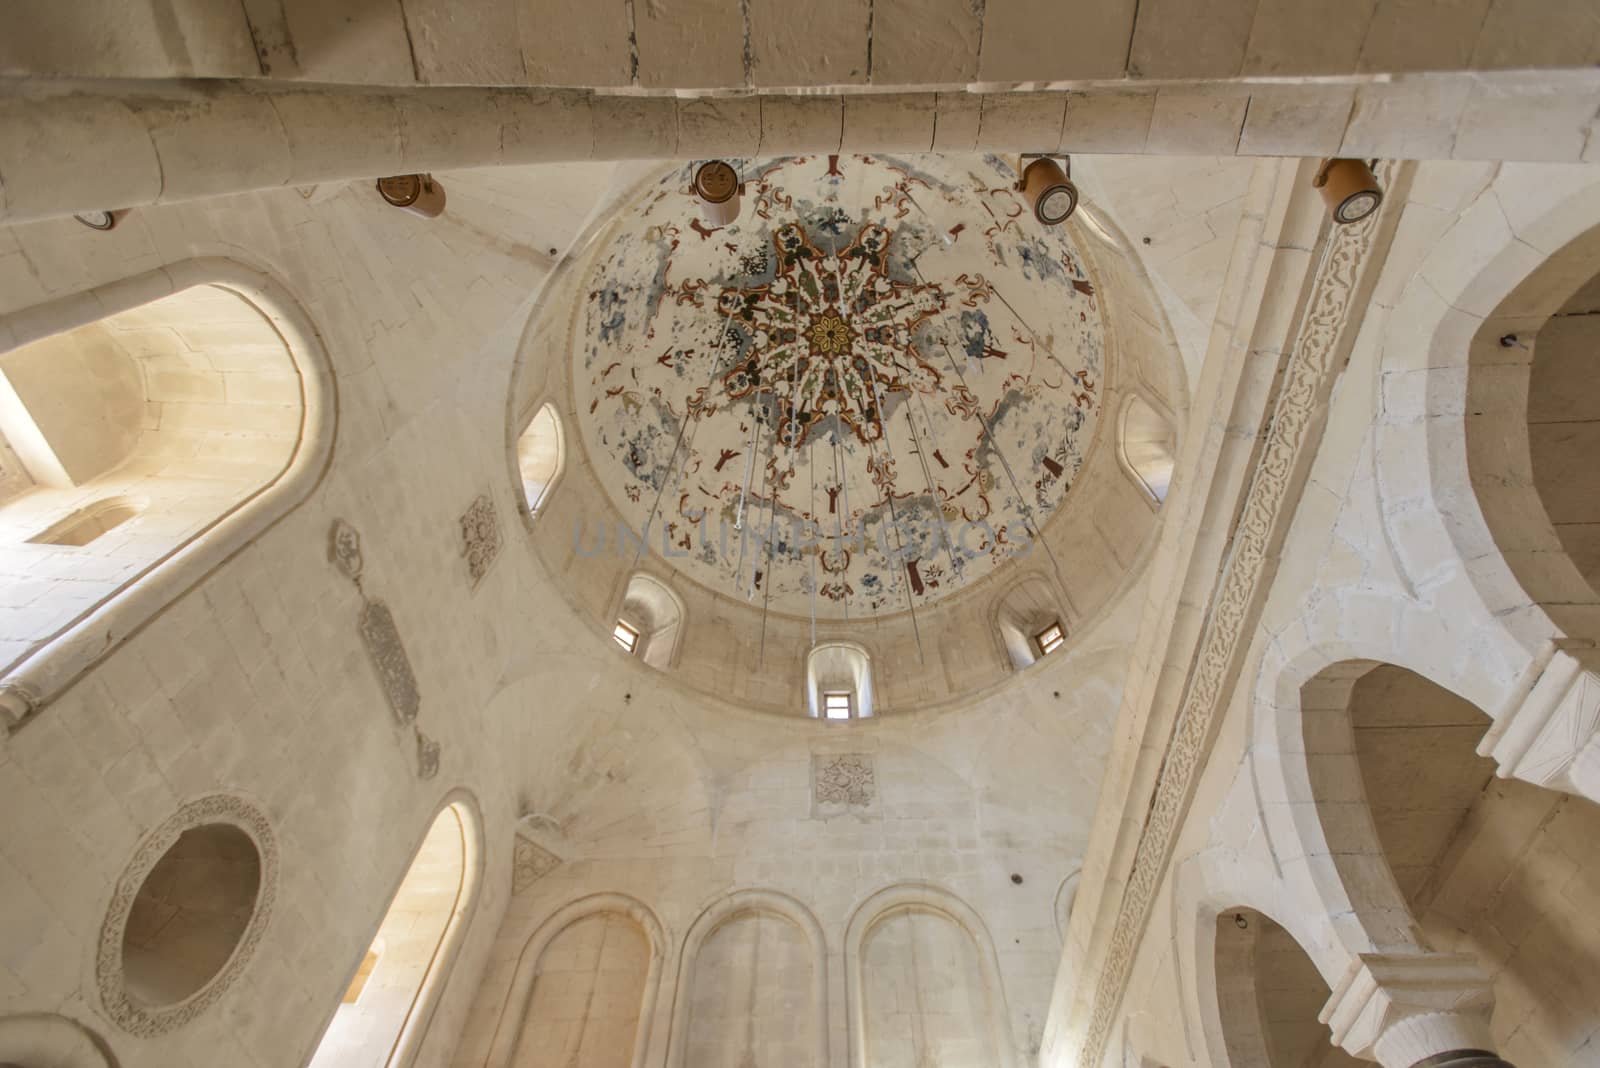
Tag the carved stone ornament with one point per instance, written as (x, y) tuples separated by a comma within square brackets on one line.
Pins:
[(427, 756), (382, 639), (142, 1020), (344, 549), (480, 537), (530, 863), (1270, 497), (843, 780)]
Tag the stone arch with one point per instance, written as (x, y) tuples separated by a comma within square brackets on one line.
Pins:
[(421, 943), (513, 1014), (732, 908), (44, 1040), (1269, 993), (1450, 526), (57, 660), (926, 899)]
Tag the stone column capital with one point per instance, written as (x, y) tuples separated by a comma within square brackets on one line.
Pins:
[(1549, 733), (1401, 1009)]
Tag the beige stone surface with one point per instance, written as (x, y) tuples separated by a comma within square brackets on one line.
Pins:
[(1287, 38), (568, 42), (1197, 122), (362, 41), (1040, 40), (698, 44), (1179, 39), (828, 46), (466, 44), (1291, 121), (925, 42)]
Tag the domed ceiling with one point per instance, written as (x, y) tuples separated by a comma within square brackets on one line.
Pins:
[(868, 392)]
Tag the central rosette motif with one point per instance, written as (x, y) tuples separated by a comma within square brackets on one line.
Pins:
[(833, 336), (829, 334)]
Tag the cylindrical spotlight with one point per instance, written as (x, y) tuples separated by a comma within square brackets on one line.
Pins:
[(1047, 189), (716, 186), (1349, 188), (417, 193)]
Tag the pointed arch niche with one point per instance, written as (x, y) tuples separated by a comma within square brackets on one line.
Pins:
[(753, 976), (585, 987), (1029, 620), (417, 942), (541, 457), (921, 975), (148, 429)]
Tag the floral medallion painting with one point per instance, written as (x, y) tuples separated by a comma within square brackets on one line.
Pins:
[(871, 390)]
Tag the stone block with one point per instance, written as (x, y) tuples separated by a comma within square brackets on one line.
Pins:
[(1413, 118), (326, 131), (957, 123), (235, 143), (825, 44), (1054, 40), (1288, 40), (1112, 121), (635, 127), (1535, 122), (925, 42), (883, 122), (1190, 38), (574, 43), (1022, 122), (456, 43), (41, 144), (1292, 120), (699, 44), (793, 125), (1416, 35), (1552, 33), (362, 41), (719, 126), (1197, 122)]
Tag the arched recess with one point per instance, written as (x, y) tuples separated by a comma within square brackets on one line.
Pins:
[(421, 934), (44, 1040), (1452, 410), (214, 416), (1269, 993), (650, 621), (1024, 616), (1431, 850), (887, 934), (520, 1009), (1532, 424), (541, 457), (746, 961), (1147, 445), (838, 668)]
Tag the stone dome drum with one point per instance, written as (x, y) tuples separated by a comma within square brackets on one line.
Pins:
[(870, 391)]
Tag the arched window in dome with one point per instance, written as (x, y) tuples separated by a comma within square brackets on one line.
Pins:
[(541, 457), (1148, 446), (839, 681), (1030, 621), (649, 622)]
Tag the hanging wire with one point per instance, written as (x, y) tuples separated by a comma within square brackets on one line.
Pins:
[(691, 411)]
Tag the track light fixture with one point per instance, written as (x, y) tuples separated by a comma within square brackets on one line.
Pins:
[(1349, 188), (718, 189), (417, 193), (1048, 188)]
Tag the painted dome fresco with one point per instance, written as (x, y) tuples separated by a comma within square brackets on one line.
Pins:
[(870, 391)]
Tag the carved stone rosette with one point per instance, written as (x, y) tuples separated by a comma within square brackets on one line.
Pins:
[(143, 1020), (530, 863), (842, 782), (480, 537)]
